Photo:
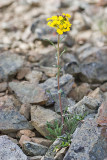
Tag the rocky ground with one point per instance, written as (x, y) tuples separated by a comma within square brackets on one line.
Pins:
[(27, 72)]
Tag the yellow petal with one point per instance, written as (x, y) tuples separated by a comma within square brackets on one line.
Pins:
[(68, 15)]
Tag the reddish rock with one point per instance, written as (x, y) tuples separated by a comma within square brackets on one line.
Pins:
[(26, 132), (23, 71), (42, 141), (23, 139), (102, 114), (3, 86)]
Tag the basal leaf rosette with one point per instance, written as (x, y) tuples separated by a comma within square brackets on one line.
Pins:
[(60, 23)]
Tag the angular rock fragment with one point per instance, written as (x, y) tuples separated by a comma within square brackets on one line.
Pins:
[(89, 143), (10, 150), (9, 65), (39, 118), (86, 106), (12, 121), (28, 93), (34, 149)]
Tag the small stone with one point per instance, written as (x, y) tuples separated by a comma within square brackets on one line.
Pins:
[(9, 65), (34, 149), (104, 87), (22, 73), (42, 141), (25, 110), (26, 132), (28, 93), (12, 121), (34, 76), (3, 86), (86, 106), (23, 139), (49, 71), (39, 118), (60, 154), (97, 94), (79, 92), (10, 150), (102, 114), (36, 158)]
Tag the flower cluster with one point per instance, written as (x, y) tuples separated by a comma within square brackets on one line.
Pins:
[(61, 23)]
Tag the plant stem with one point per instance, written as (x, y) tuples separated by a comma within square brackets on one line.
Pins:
[(58, 76)]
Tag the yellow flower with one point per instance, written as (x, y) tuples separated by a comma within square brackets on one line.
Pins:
[(63, 14), (60, 18), (59, 31), (68, 15), (60, 23)]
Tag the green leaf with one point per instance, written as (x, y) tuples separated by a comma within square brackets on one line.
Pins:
[(51, 43), (62, 52)]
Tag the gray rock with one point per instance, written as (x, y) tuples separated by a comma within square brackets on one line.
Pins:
[(51, 153), (95, 72), (12, 121), (9, 65), (50, 85), (86, 106), (89, 143), (10, 150), (34, 149), (28, 93), (66, 102)]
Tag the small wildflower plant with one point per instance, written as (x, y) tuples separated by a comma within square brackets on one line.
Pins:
[(61, 24)]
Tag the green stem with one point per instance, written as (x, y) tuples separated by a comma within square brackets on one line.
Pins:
[(58, 76)]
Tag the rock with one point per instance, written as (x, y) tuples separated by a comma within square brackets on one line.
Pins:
[(7, 103), (42, 141), (28, 93), (34, 76), (86, 106), (25, 110), (66, 82), (13, 140), (103, 87), (102, 114), (83, 36), (12, 121), (3, 86), (6, 3), (78, 22), (97, 94), (36, 158), (88, 143), (60, 154), (66, 102), (51, 153), (39, 118), (22, 73), (79, 92), (10, 150), (95, 72), (23, 139), (9, 65), (26, 132), (34, 149), (71, 65), (49, 71)]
